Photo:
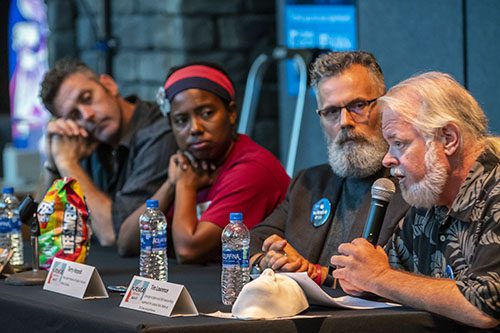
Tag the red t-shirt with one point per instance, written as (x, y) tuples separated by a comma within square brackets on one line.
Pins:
[(251, 181)]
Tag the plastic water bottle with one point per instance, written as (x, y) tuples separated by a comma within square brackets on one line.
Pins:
[(16, 238), (235, 262), (5, 225), (153, 262), (10, 225)]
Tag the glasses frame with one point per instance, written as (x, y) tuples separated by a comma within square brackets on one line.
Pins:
[(340, 108)]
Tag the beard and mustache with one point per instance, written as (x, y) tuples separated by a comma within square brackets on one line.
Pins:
[(351, 154), (425, 193)]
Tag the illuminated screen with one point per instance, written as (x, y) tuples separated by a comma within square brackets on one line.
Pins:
[(327, 25), (27, 64)]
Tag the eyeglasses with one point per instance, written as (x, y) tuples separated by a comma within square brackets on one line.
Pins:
[(356, 109)]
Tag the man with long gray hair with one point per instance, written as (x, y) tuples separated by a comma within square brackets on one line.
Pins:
[(328, 204), (444, 256)]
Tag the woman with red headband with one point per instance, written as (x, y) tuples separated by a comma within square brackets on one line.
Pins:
[(215, 172)]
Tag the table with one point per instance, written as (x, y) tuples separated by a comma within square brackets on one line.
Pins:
[(32, 309)]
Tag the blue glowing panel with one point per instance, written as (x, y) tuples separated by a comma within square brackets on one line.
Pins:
[(328, 25), (331, 27)]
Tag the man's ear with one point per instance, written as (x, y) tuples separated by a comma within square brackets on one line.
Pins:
[(108, 83), (233, 112), (451, 138)]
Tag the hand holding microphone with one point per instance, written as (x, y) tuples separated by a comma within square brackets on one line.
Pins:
[(382, 192)]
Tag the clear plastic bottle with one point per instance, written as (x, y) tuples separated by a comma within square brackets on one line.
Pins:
[(5, 225), (235, 262), (10, 222), (16, 238), (153, 261)]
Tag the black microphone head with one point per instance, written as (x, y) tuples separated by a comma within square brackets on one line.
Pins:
[(27, 210), (383, 189)]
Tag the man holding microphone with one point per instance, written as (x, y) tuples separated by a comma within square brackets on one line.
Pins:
[(444, 257)]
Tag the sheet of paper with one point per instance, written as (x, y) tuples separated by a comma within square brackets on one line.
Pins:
[(316, 295), (228, 315)]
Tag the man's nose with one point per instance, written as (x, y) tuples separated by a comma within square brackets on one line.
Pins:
[(345, 118), (86, 112), (196, 125), (389, 160)]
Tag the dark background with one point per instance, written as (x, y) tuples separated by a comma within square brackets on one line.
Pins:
[(460, 37)]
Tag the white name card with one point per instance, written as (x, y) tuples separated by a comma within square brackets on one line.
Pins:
[(158, 297), (74, 279)]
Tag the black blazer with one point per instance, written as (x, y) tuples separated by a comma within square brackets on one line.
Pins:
[(291, 220)]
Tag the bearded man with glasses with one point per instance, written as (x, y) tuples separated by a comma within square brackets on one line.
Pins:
[(327, 205)]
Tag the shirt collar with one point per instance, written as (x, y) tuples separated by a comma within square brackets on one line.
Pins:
[(135, 123)]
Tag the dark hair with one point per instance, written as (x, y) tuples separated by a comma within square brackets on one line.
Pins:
[(54, 78), (333, 63)]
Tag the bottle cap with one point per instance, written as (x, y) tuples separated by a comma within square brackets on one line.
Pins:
[(236, 216), (8, 190), (151, 203)]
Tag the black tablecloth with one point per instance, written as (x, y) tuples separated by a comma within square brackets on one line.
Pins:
[(32, 309)]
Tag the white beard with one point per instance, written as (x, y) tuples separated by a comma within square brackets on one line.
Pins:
[(353, 155), (426, 192)]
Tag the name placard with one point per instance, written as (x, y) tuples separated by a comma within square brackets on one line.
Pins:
[(74, 279), (158, 297)]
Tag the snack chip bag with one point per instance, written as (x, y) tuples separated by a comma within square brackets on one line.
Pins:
[(63, 217)]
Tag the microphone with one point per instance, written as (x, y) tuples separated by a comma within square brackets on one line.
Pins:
[(382, 191)]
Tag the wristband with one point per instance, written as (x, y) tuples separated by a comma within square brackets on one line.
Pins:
[(259, 259), (330, 281), (255, 269), (318, 274)]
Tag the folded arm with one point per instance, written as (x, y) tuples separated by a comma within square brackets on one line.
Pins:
[(194, 240), (67, 146)]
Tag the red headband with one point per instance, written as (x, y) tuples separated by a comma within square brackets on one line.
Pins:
[(197, 71)]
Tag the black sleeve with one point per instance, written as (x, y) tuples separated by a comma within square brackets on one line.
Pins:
[(148, 171), (273, 224)]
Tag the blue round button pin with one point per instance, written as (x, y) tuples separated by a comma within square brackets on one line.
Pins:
[(320, 212)]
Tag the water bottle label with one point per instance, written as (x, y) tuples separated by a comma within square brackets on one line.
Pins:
[(146, 240), (160, 241), (235, 258), (5, 225), (16, 224)]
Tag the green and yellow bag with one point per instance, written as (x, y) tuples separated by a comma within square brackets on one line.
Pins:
[(63, 217)]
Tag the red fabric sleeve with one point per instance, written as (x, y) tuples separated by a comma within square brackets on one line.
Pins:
[(250, 187)]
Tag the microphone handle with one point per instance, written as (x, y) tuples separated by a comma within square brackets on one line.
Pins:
[(375, 220)]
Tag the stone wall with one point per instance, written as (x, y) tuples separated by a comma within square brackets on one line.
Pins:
[(153, 35)]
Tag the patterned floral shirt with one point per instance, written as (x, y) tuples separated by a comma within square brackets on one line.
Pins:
[(461, 243)]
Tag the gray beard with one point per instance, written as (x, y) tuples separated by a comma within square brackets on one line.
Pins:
[(426, 192), (353, 155)]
